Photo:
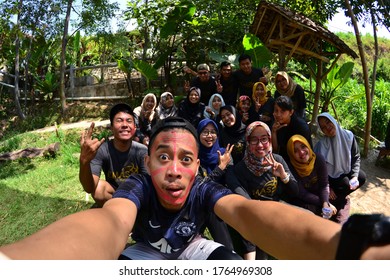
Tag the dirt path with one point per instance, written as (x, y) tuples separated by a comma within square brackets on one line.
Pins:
[(374, 196)]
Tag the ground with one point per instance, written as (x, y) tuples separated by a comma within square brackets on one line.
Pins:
[(374, 196)]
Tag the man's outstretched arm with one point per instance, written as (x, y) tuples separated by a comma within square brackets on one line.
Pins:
[(281, 230), (92, 234)]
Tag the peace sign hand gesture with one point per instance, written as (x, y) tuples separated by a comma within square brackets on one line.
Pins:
[(219, 86), (226, 157), (277, 168), (88, 145)]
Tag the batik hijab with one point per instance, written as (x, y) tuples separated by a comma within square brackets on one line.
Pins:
[(141, 109), (260, 97), (303, 169), (336, 150), (241, 100), (209, 158), (163, 111), (290, 90), (256, 165)]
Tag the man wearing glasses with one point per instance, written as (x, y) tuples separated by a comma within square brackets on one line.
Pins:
[(205, 82)]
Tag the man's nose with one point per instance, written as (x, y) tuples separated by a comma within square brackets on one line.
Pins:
[(173, 169)]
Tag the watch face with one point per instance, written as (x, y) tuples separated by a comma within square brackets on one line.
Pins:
[(381, 231), (359, 232)]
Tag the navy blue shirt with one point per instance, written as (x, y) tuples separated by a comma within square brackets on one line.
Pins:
[(167, 231)]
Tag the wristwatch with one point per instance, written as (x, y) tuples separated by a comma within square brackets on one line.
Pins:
[(361, 231)]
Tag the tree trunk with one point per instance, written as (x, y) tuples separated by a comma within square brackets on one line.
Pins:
[(17, 58), (365, 77), (63, 62)]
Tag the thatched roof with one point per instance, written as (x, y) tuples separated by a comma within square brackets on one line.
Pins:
[(294, 35)]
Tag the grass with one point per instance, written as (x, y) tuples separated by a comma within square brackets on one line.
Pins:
[(36, 192)]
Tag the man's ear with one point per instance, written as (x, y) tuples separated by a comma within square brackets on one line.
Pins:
[(147, 162)]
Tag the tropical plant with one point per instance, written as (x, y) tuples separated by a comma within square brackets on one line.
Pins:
[(147, 70), (336, 78), (47, 86)]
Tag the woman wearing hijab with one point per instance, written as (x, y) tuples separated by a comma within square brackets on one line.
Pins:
[(212, 110), (263, 104), (287, 87), (191, 108), (246, 110), (232, 132), (342, 156), (166, 108), (261, 175), (144, 116), (310, 171), (214, 161)]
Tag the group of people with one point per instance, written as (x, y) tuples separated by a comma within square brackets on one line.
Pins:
[(173, 171)]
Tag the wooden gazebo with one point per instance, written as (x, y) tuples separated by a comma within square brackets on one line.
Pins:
[(290, 34)]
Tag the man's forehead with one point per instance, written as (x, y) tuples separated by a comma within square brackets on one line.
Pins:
[(175, 135)]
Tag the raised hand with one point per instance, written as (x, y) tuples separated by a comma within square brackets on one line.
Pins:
[(277, 168), (89, 145), (219, 86), (226, 157)]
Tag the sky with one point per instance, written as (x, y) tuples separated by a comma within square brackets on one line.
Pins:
[(337, 24)]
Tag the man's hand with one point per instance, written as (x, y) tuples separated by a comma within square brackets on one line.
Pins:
[(88, 145), (219, 86)]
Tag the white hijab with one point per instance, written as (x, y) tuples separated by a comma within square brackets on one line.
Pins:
[(336, 150)]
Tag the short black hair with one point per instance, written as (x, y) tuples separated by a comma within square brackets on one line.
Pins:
[(121, 107), (243, 57), (285, 103), (172, 123), (224, 63)]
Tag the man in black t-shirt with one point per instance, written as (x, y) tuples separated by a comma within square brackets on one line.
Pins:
[(247, 75), (205, 82), (118, 158)]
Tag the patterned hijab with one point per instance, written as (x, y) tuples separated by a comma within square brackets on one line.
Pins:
[(208, 157), (291, 84), (210, 105), (241, 100), (140, 109), (261, 97), (336, 150), (303, 169), (164, 112), (256, 165)]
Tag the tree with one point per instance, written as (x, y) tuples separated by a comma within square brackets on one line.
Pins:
[(17, 61), (376, 12)]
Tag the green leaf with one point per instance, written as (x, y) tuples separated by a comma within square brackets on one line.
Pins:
[(125, 65), (145, 69), (260, 55)]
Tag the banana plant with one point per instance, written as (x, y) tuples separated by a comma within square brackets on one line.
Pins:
[(336, 78), (251, 45), (146, 70)]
